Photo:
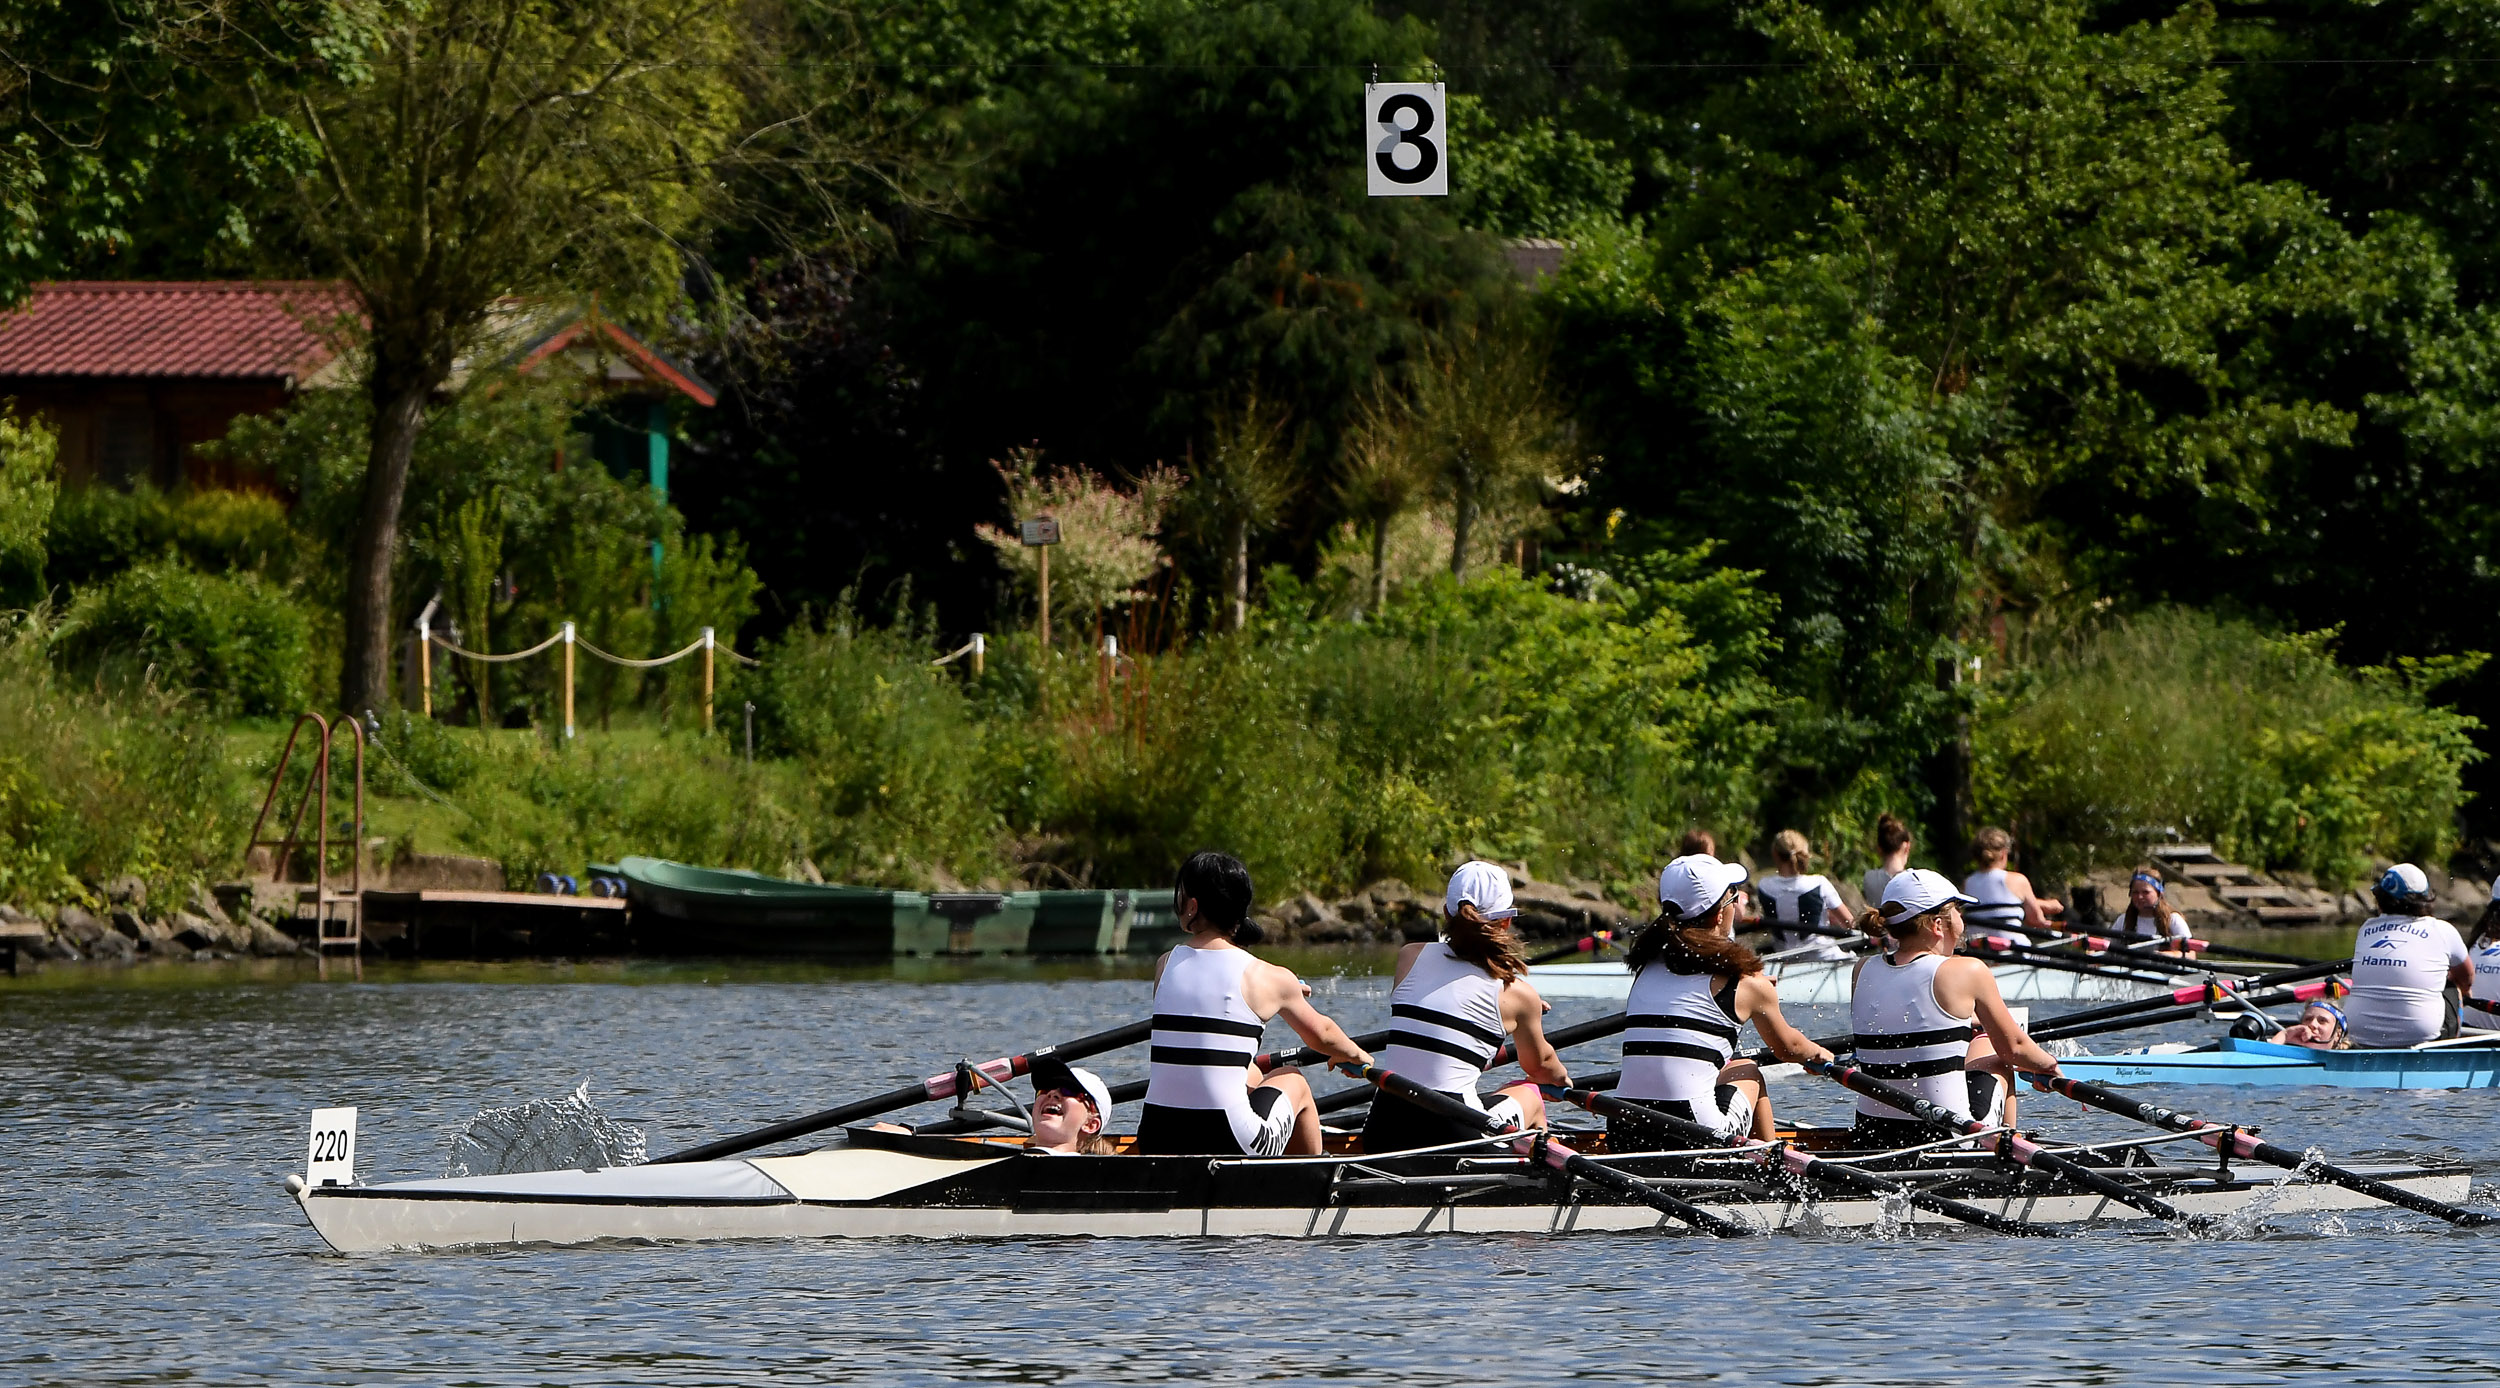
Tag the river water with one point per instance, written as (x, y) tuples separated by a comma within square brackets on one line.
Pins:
[(151, 1116)]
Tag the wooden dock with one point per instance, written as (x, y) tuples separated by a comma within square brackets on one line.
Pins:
[(436, 924)]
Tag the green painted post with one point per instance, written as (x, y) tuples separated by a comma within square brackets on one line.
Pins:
[(655, 425)]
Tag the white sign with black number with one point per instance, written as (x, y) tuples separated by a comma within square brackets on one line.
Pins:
[(1406, 148), (331, 1159)]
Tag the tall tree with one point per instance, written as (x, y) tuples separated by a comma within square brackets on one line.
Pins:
[(454, 155)]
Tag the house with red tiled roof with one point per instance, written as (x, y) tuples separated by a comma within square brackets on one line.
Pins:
[(136, 374)]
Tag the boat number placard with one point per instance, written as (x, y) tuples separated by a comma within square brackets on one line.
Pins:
[(1406, 149), (331, 1158)]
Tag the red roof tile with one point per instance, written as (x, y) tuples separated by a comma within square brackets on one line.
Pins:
[(229, 329)]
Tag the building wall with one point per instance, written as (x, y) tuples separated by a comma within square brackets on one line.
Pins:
[(129, 431)]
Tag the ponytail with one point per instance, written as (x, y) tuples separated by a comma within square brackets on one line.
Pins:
[(1689, 947), (1489, 944)]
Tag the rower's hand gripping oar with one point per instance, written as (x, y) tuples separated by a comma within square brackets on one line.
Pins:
[(2242, 1144), (1538, 1147), (2011, 1145), (1800, 1163), (934, 1087)]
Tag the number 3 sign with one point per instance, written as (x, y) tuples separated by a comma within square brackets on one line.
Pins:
[(1406, 131)]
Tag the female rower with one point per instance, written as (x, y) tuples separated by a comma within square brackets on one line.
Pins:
[(2479, 1010), (2003, 900), (1796, 896), (1213, 999), (1914, 1012), (1454, 1002), (2149, 916), (1893, 844), (1069, 1108), (2403, 961), (1693, 990), (2320, 1028)]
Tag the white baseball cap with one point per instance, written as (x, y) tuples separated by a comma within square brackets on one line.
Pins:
[(1917, 892), (1483, 885), (2404, 879), (1694, 883), (1050, 1072)]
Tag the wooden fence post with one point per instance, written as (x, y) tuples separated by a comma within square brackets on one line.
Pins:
[(707, 681), (568, 681)]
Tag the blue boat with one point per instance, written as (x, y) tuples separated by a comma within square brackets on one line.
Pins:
[(2470, 1064)]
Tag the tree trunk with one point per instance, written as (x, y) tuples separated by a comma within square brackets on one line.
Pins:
[(398, 413), (1240, 576), (1380, 565), (1461, 528)]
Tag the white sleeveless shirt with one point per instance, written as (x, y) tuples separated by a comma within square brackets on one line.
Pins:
[(1997, 909), (1445, 1023), (2399, 971), (2481, 1009), (1795, 901), (1205, 1037), (1679, 1030), (1904, 1036)]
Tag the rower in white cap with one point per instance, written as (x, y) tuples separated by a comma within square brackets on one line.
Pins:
[(1070, 1107), (2403, 961), (1454, 1002), (1693, 990), (1915, 1010)]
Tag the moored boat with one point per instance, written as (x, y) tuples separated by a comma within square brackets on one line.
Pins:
[(878, 1184), (682, 909), (2470, 1063)]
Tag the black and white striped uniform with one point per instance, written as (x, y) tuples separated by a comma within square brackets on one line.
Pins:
[(1445, 1027), (1905, 1037), (1679, 1031), (1998, 909), (1789, 902), (1198, 1094)]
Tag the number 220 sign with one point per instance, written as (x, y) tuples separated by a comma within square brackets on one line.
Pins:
[(1406, 132)]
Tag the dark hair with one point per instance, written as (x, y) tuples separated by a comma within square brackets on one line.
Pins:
[(1890, 834), (1493, 945), (2160, 889), (2405, 903), (1221, 887), (1689, 946), (1697, 841), (2489, 923)]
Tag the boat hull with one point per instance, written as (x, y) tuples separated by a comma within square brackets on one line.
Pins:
[(2257, 1063), (1821, 982), (850, 1192)]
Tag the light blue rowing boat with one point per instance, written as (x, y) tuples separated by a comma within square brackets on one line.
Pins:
[(2471, 1062)]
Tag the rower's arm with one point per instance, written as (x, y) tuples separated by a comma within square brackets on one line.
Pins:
[(1758, 1001), (2461, 977), (1523, 1012), (1308, 1022), (1988, 1005), (2036, 908)]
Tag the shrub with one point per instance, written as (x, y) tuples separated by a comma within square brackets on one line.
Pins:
[(2176, 722), (235, 642), (98, 531)]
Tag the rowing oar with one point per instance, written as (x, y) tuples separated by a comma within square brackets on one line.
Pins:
[(1539, 1147), (2199, 1000), (2243, 1145), (2212, 991), (2005, 951), (1586, 944), (2011, 1145), (1801, 1163), (919, 1092)]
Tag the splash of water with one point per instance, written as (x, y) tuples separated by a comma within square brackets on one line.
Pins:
[(2249, 1220), (1892, 1214), (544, 1135)]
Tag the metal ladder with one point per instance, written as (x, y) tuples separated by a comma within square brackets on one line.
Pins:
[(337, 915)]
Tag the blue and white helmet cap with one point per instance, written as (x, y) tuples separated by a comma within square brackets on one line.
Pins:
[(1482, 885), (2404, 881)]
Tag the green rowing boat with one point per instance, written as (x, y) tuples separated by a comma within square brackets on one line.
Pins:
[(682, 909)]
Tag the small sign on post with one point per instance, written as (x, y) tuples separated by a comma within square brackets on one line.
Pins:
[(330, 1159), (1041, 533), (1406, 151)]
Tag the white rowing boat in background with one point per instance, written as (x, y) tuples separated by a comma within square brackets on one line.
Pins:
[(1825, 982)]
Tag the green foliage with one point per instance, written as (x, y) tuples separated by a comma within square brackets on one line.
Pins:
[(92, 787), (2176, 723), (97, 531), (240, 645), (27, 499), (1533, 178)]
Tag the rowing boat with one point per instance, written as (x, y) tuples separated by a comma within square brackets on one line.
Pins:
[(881, 1184), (682, 909), (1825, 982), (2472, 1063)]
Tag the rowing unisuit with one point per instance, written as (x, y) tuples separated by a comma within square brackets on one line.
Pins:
[(1998, 908), (1205, 1039), (1445, 1027), (1680, 1031), (1903, 1035), (1790, 902), (2400, 967)]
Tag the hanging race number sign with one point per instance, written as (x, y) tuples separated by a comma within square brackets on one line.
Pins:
[(1039, 531), (1406, 139), (331, 1159)]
